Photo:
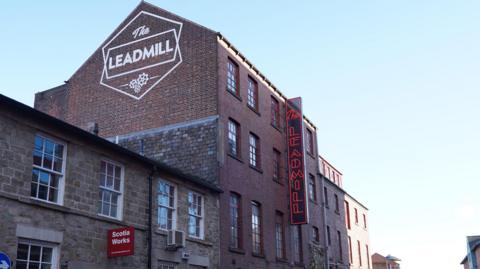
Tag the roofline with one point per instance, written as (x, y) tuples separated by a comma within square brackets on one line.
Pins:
[(344, 191), (30, 112), (325, 160), (260, 74)]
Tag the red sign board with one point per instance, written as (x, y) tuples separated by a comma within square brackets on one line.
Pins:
[(296, 162), (121, 242)]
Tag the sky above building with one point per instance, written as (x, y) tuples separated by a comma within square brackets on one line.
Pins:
[(393, 87)]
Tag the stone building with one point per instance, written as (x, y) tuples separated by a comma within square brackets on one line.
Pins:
[(346, 219), (63, 189)]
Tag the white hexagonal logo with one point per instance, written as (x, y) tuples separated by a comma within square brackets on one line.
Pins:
[(141, 54)]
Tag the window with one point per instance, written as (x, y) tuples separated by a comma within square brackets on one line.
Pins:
[(297, 244), (339, 239), (48, 170), (257, 228), (235, 221), (364, 221), (356, 216), (337, 207), (329, 239), (167, 200), (195, 215), (309, 142), (276, 165), (110, 190), (252, 94), (325, 194), (312, 190), (279, 236), (254, 150), (347, 215), (35, 255), (233, 138), (359, 253), (232, 77), (350, 250), (368, 256), (275, 113), (166, 265), (315, 234)]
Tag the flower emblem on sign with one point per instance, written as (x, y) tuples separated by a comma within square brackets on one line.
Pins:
[(140, 55)]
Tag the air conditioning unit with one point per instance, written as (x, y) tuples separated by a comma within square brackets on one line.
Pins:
[(175, 239)]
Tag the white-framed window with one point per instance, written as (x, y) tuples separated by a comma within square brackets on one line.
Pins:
[(36, 255), (167, 204), (48, 171), (195, 214), (110, 200)]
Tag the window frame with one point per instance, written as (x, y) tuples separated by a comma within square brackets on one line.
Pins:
[(275, 112), (238, 223), (364, 221), (277, 165), (315, 234), (259, 227), (325, 198), (356, 215), (312, 188), (55, 260), (280, 244), (237, 136), (62, 175), (121, 192), (297, 244), (359, 247), (254, 156), (236, 77), (201, 216), (254, 96), (309, 141), (175, 205)]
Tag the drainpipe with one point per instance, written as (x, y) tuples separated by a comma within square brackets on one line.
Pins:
[(150, 215)]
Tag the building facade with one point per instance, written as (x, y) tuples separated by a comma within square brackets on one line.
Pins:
[(473, 253), (382, 262), (63, 190), (177, 92), (347, 223)]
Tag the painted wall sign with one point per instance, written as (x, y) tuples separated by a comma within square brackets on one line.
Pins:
[(141, 54), (121, 242), (296, 162)]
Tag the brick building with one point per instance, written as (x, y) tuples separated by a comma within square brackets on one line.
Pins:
[(473, 253), (175, 91), (385, 262), (62, 189), (347, 223)]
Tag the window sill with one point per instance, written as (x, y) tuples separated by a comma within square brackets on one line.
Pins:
[(276, 127), (199, 241), (48, 204), (258, 255), (278, 181), (256, 168), (236, 250), (161, 232), (235, 157), (235, 95), (254, 110), (108, 217)]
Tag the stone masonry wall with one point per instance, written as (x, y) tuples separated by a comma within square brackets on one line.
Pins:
[(190, 147)]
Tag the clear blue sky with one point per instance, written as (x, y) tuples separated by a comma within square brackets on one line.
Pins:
[(393, 86)]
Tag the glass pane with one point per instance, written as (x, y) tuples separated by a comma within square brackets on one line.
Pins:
[(118, 171), (113, 212), (33, 265), (44, 178), (114, 199), (52, 195), (38, 143), (37, 158), (105, 209), (117, 184), (57, 165), (46, 266), (33, 190), (59, 150), (110, 169), (49, 145), (47, 161), (21, 265), (35, 253), (22, 252), (42, 192), (102, 180), (109, 182), (47, 255), (35, 175)]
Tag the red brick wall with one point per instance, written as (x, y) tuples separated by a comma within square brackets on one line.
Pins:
[(187, 93)]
